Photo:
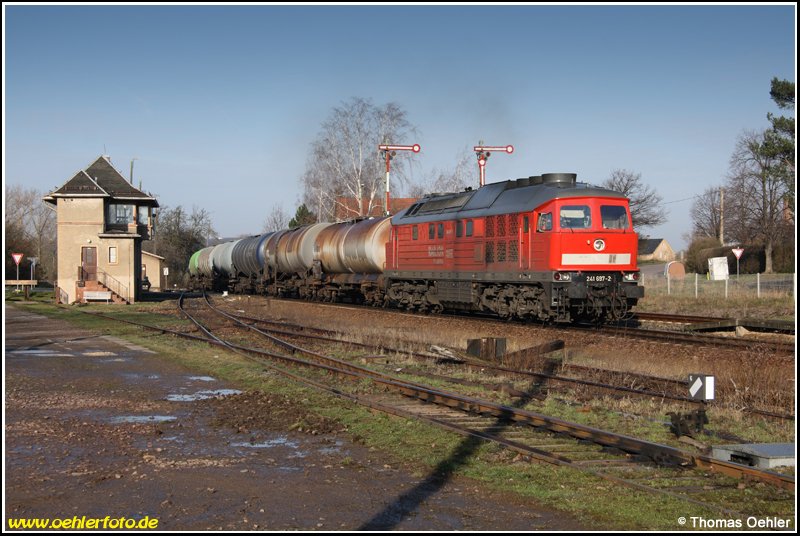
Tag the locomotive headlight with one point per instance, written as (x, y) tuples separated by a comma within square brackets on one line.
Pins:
[(562, 276), (631, 277)]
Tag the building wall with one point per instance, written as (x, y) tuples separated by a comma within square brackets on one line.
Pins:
[(664, 252), (153, 269), (80, 222)]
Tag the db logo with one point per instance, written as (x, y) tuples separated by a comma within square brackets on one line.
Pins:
[(599, 244)]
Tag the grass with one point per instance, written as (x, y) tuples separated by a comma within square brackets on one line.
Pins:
[(427, 451), (766, 307)]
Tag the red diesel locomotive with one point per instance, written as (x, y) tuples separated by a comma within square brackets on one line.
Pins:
[(543, 248)]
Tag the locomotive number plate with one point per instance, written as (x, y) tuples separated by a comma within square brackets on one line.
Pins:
[(598, 279)]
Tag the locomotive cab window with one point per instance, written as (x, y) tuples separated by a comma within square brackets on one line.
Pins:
[(545, 222), (614, 217), (431, 231), (414, 232), (469, 227), (440, 230), (575, 217), (459, 229)]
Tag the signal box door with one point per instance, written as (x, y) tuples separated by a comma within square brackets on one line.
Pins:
[(89, 263)]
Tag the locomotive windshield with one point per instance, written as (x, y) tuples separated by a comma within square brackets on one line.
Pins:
[(575, 217), (614, 217)]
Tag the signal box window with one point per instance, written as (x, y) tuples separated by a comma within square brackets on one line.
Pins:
[(414, 232), (112, 255), (545, 222), (614, 217), (469, 227), (575, 217), (431, 231)]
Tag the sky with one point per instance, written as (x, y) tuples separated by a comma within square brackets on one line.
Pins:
[(219, 105)]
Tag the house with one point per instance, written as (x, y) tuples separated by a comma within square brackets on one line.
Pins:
[(153, 270), (101, 221), (347, 207), (655, 250)]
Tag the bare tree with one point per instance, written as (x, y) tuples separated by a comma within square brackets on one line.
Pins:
[(30, 229), (277, 220), (706, 214), (758, 196), (646, 204), (345, 163), (462, 175), (178, 235)]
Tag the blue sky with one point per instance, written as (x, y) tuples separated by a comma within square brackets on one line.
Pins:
[(220, 104)]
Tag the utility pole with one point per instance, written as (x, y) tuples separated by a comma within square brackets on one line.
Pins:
[(132, 159), (721, 216)]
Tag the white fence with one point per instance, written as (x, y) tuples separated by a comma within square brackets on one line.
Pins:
[(743, 286)]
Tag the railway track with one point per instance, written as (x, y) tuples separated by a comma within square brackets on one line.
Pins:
[(609, 445), (653, 387), (778, 347), (621, 459)]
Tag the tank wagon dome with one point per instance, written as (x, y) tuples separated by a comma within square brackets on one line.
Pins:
[(506, 197)]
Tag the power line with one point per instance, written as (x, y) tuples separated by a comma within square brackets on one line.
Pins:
[(681, 200)]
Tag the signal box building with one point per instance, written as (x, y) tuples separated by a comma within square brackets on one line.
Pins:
[(101, 223)]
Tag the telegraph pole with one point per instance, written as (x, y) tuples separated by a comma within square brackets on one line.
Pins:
[(721, 216)]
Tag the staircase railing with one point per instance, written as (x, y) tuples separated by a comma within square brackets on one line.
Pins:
[(92, 273)]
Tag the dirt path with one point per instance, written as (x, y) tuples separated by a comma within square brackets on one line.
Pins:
[(97, 427)]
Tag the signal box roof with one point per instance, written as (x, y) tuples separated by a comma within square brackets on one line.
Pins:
[(101, 179)]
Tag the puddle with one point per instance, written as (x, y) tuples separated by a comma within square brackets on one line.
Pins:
[(140, 419), (202, 395), (98, 354), (203, 378), (278, 442), (330, 450), (140, 376), (41, 353)]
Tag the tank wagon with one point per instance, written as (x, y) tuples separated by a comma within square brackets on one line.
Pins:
[(545, 248)]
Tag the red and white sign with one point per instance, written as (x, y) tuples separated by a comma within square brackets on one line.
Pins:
[(414, 147), (506, 149), (738, 252), (17, 257)]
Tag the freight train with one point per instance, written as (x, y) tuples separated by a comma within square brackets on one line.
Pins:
[(544, 248)]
